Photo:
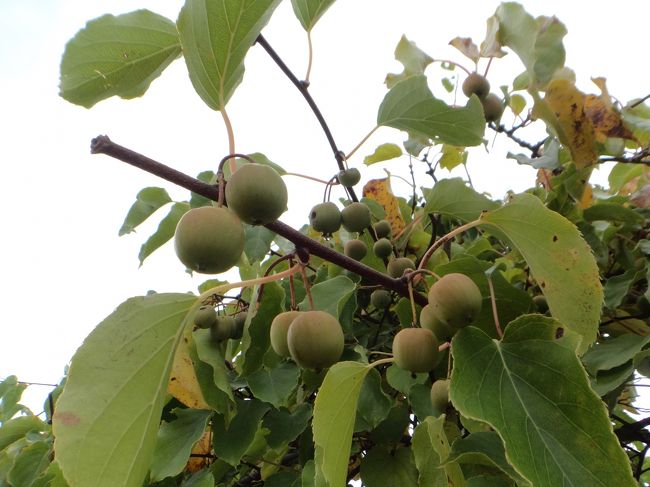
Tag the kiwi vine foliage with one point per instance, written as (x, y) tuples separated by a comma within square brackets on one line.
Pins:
[(542, 384)]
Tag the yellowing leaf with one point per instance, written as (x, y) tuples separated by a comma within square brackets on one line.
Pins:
[(466, 46), (452, 156), (567, 103), (491, 47), (383, 152), (587, 196), (183, 384), (379, 190), (605, 119)]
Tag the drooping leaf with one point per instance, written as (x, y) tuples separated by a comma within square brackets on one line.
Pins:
[(274, 385), (452, 197), (384, 152), (334, 414), (431, 449), (216, 37), (164, 232), (175, 442), (550, 159), (532, 389), (285, 426), (381, 467), (117, 55), (216, 390), (410, 106), (107, 417), (491, 47), (309, 11), (146, 203), (559, 259), (414, 60)]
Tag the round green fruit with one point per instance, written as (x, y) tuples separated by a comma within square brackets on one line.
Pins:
[(382, 229), (398, 266), (381, 298), (382, 248), (223, 328), (240, 321), (475, 84), (257, 194), (315, 340), (349, 177), (205, 317), (325, 218), (455, 300), (415, 349), (430, 321), (355, 217), (209, 240), (440, 395), (492, 107), (278, 332), (355, 249)]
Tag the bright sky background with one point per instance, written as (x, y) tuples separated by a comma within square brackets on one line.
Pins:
[(63, 267)]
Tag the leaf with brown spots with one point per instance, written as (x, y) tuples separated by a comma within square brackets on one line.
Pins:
[(379, 190), (466, 46), (605, 119)]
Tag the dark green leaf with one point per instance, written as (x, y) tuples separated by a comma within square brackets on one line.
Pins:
[(612, 212), (117, 56), (202, 478), (374, 405), (274, 385), (613, 352), (402, 380), (285, 426), (196, 200), (165, 231), (381, 467), (146, 203), (617, 287), (309, 11), (420, 399), (454, 198)]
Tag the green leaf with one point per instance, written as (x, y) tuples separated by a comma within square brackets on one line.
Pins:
[(402, 380), (219, 395), (612, 212), (309, 11), (532, 389), (30, 463), (410, 106), (559, 259), (550, 159), (613, 352), (452, 156), (258, 242), (414, 60), (175, 442), (202, 478), (334, 414), (230, 443), (373, 405), (216, 37), (384, 152), (18, 427), (430, 449), (107, 417), (10, 393), (285, 426), (381, 467), (274, 385), (617, 287), (622, 174), (452, 197), (146, 203), (331, 295), (117, 56), (165, 231)]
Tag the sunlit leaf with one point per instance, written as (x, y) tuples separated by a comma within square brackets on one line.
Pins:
[(382, 467), (410, 106), (117, 55), (107, 417), (216, 37), (414, 60), (453, 197), (384, 152), (164, 232), (309, 11), (146, 203)]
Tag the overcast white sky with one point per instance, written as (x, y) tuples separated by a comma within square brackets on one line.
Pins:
[(63, 267)]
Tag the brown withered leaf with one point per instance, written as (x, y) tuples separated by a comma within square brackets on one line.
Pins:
[(605, 119), (202, 449), (466, 46), (379, 190)]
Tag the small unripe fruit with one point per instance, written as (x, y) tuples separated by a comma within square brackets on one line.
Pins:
[(415, 349), (257, 194), (380, 298), (278, 332), (540, 304), (209, 240), (240, 321), (349, 177), (430, 321), (475, 84), (315, 340), (382, 248), (355, 217), (440, 395), (492, 107), (205, 317), (397, 267), (223, 328), (455, 299), (382, 229), (355, 249), (325, 218)]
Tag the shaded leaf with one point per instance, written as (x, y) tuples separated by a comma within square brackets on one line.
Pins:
[(431, 448), (16, 428), (382, 467), (197, 200), (285, 426), (274, 385), (30, 463), (117, 55), (165, 231), (146, 203), (612, 212), (107, 417), (614, 352), (402, 380), (383, 152), (374, 405), (309, 11), (452, 197), (216, 390)]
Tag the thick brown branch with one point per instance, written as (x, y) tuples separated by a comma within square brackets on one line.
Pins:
[(103, 145)]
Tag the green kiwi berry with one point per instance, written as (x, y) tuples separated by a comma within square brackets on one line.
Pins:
[(492, 107), (315, 340), (455, 300), (382, 229), (398, 266), (223, 328), (415, 349), (440, 395), (205, 317), (440, 329), (475, 84), (355, 249), (349, 177), (380, 298), (278, 332), (325, 218), (382, 248), (355, 217)]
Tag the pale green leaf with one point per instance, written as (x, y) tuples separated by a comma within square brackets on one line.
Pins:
[(146, 203), (218, 393), (107, 417), (382, 467), (164, 232), (10, 393), (331, 295), (384, 152), (622, 174), (414, 60), (276, 384), (309, 11), (216, 37), (550, 159), (117, 55), (452, 156), (532, 389), (175, 442), (18, 427), (334, 415), (410, 106), (454, 198), (30, 463), (559, 259), (258, 242), (431, 449)]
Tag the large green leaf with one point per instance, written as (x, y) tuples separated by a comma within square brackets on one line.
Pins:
[(453, 197), (175, 442), (559, 259), (164, 232), (373, 405), (117, 56), (382, 467), (334, 414), (309, 11), (146, 203), (216, 36), (213, 380), (107, 417), (410, 106), (532, 389)]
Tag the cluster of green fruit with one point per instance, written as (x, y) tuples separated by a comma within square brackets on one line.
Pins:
[(313, 339), (478, 85), (211, 239), (222, 327)]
